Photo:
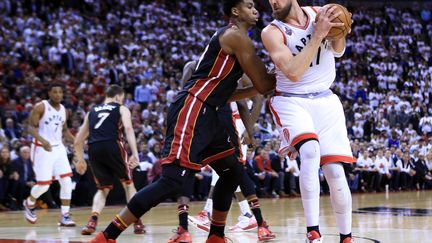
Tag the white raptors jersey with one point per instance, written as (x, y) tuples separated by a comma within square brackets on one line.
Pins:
[(51, 123), (321, 72)]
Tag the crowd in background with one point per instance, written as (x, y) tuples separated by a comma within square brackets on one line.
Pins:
[(383, 80)]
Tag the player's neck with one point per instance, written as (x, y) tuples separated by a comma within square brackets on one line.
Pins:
[(53, 104), (243, 26), (296, 16)]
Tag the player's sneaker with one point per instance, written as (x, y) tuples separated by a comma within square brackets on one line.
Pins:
[(139, 227), (29, 212), (181, 236), (201, 221), (100, 238), (264, 232), (216, 239), (66, 221), (314, 237), (348, 240), (90, 227), (244, 223)]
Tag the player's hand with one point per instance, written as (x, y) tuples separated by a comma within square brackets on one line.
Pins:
[(323, 21), (81, 167), (46, 145), (133, 161), (247, 140)]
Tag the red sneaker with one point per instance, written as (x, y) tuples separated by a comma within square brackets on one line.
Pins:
[(139, 227), (264, 233), (180, 236), (216, 239), (90, 227), (100, 238), (348, 240), (313, 237)]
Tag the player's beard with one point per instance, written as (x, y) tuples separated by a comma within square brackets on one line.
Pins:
[(283, 13)]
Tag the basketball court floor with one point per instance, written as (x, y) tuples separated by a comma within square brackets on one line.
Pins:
[(384, 217)]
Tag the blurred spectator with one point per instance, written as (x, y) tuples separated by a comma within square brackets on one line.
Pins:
[(5, 171), (22, 177)]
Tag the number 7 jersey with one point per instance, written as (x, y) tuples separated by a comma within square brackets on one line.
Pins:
[(51, 124), (105, 123), (321, 72)]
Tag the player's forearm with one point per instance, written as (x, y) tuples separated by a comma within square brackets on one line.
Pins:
[(245, 117), (338, 47), (130, 136), (256, 108), (33, 131), (296, 66), (240, 94), (79, 147), (68, 135)]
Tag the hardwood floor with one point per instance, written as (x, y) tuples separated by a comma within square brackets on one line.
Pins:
[(387, 218)]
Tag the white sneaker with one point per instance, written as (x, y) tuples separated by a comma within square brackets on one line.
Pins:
[(201, 221), (29, 213), (66, 221), (244, 223)]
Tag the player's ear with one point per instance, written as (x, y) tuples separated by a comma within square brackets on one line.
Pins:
[(235, 11)]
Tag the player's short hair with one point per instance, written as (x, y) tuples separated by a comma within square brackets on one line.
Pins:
[(54, 85), (114, 90), (228, 5)]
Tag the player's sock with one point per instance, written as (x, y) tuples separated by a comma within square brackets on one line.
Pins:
[(255, 207), (65, 209), (115, 228), (183, 211), (218, 222), (95, 216)]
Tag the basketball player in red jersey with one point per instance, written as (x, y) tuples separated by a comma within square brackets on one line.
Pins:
[(194, 133)]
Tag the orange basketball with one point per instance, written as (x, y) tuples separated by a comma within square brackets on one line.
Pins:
[(336, 33)]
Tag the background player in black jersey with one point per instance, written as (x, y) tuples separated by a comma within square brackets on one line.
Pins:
[(103, 126), (194, 133)]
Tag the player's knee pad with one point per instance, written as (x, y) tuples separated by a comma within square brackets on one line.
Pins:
[(339, 190), (65, 188), (310, 158), (232, 174), (38, 190)]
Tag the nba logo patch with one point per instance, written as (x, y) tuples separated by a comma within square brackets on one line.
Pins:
[(288, 31)]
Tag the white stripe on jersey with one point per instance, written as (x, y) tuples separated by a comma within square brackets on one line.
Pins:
[(322, 71)]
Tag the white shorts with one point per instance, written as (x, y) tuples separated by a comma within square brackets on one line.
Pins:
[(50, 166), (299, 119)]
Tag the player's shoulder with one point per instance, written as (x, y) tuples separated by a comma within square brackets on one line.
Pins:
[(40, 106)]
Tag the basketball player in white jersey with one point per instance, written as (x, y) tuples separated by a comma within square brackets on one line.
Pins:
[(309, 116), (47, 125)]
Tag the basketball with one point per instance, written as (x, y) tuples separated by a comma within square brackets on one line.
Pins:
[(336, 33)]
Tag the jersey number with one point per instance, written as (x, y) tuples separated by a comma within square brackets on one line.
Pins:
[(317, 62), (102, 116)]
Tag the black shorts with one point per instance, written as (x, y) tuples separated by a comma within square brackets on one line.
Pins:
[(194, 135), (108, 161)]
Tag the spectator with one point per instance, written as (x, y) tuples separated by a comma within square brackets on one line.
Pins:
[(22, 177), (5, 170)]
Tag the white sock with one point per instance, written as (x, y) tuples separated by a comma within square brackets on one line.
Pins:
[(244, 207), (65, 209), (209, 206)]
